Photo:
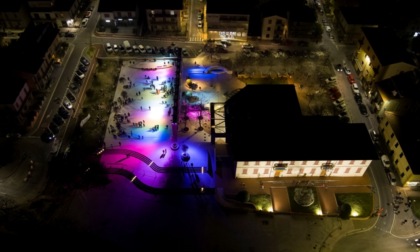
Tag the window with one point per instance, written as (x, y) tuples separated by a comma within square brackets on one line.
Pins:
[(266, 171), (292, 162), (340, 162), (392, 135), (257, 162), (358, 170), (246, 163), (289, 171), (172, 13), (269, 21), (304, 162), (336, 170), (301, 171), (152, 12), (255, 171), (386, 124), (396, 161), (313, 171), (244, 171), (347, 170), (363, 162), (396, 145), (401, 154), (279, 166), (268, 28), (316, 163), (268, 163), (407, 168), (351, 162), (402, 175)]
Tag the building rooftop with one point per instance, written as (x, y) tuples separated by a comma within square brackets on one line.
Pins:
[(387, 47), (264, 122)]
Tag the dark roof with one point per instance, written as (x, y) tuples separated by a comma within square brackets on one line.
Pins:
[(11, 88), (11, 6), (32, 45), (264, 122), (130, 5), (406, 129), (231, 6), (360, 16), (388, 48), (403, 85), (120, 5)]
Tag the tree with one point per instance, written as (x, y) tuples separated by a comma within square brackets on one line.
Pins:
[(345, 211)]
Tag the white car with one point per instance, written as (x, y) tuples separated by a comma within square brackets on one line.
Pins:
[(108, 47), (328, 28), (355, 88), (247, 46), (84, 22), (200, 24), (67, 103), (385, 161)]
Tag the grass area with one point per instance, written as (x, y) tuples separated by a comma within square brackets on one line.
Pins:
[(97, 103), (415, 206), (361, 203), (262, 202)]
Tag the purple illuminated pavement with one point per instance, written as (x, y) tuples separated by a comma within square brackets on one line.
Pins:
[(141, 137)]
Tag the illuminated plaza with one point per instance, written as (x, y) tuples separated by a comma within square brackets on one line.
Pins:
[(142, 136)]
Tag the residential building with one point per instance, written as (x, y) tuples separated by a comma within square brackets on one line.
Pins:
[(164, 16), (61, 13), (32, 56), (14, 15), (399, 128), (229, 19), (380, 55), (113, 15)]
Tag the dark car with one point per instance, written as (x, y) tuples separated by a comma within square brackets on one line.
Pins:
[(84, 61), (58, 120), (83, 68), (47, 136), (363, 109), (69, 35), (54, 128), (64, 113), (71, 97), (358, 98)]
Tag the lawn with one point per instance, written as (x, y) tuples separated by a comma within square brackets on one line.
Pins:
[(361, 203), (415, 206)]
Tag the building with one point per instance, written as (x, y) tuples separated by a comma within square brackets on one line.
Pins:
[(33, 58), (269, 137), (14, 15), (380, 55), (228, 19)]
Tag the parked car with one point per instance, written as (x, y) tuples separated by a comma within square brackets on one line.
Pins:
[(200, 24), (84, 22), (71, 97), (64, 113), (54, 128), (83, 68), (355, 88), (363, 109), (392, 178), (108, 47), (116, 48), (80, 74), (67, 104), (346, 70), (84, 61), (351, 79), (47, 136), (247, 46), (358, 98), (58, 120), (339, 68), (374, 135), (226, 42), (69, 35), (385, 161)]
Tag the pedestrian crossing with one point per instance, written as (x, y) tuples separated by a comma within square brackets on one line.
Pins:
[(196, 39)]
